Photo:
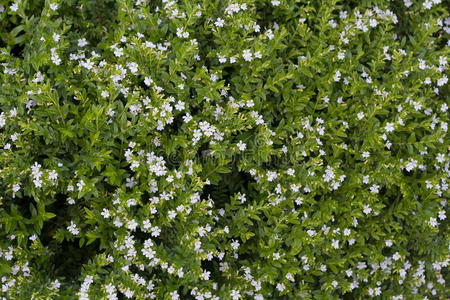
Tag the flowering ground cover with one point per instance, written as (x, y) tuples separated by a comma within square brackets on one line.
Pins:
[(224, 149)]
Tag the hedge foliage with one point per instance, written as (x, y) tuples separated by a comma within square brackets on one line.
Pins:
[(224, 149)]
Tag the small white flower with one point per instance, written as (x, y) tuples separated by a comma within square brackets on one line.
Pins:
[(337, 76), (55, 57), (14, 7), (105, 213), (241, 145), (55, 284), (56, 37), (118, 52), (235, 295), (54, 6), (132, 225), (335, 244), (15, 188), (148, 81), (205, 275), (181, 33), (235, 244), (271, 176), (280, 286), (13, 112), (242, 198), (172, 214), (247, 55), (14, 136), (311, 232), (366, 179), (389, 127), (411, 165), (374, 189), (130, 294), (427, 4), (73, 228), (80, 185), (367, 209), (441, 81), (131, 202), (105, 94), (39, 77), (275, 2), (290, 277), (82, 42), (433, 222), (2, 120), (219, 22), (214, 77), (133, 67), (53, 175), (440, 158)]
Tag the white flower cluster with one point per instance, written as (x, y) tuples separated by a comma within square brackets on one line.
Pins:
[(36, 173), (84, 289), (73, 229)]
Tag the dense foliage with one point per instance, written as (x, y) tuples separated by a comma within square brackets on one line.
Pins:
[(224, 149)]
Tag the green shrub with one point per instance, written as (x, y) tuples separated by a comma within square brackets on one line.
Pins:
[(224, 149)]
